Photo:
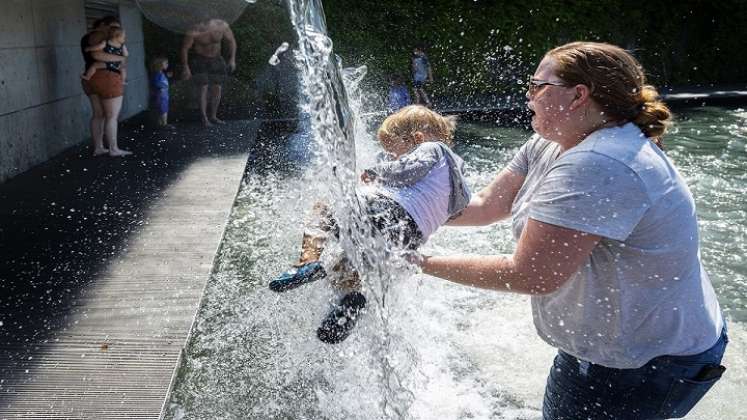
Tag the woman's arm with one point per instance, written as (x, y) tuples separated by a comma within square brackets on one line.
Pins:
[(96, 39), (102, 56), (545, 258), (492, 203)]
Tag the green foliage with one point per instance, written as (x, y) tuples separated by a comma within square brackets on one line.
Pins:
[(490, 46)]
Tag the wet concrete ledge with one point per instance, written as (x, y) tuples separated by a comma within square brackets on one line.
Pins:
[(104, 262)]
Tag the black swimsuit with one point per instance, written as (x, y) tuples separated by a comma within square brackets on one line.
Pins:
[(113, 65)]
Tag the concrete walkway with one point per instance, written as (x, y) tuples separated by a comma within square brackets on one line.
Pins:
[(104, 261)]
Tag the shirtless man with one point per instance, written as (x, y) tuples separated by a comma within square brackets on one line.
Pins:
[(206, 66)]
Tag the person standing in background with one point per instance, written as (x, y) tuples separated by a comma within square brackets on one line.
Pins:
[(421, 73), (399, 96), (207, 67), (159, 90), (105, 89)]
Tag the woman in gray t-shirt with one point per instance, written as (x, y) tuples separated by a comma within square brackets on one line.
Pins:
[(607, 244)]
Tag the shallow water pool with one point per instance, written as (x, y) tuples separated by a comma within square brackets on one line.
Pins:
[(428, 349)]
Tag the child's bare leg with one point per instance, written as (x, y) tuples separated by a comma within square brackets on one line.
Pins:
[(91, 70), (341, 319), (308, 268), (315, 234), (345, 279)]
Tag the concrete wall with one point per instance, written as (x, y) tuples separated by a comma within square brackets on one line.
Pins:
[(42, 108), (136, 91)]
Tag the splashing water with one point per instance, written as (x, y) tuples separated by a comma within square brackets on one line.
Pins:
[(426, 348), (275, 60), (456, 352)]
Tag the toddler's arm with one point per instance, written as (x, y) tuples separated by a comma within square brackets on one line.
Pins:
[(159, 81), (409, 168), (97, 47)]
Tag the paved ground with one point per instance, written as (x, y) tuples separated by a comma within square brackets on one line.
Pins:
[(102, 266)]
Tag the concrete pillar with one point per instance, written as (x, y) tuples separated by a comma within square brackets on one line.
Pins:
[(42, 107), (136, 91), (40, 65)]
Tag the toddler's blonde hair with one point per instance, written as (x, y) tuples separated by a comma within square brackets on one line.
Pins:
[(407, 121), (157, 64)]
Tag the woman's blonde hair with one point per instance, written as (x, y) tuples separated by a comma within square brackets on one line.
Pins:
[(416, 118), (156, 64), (617, 83)]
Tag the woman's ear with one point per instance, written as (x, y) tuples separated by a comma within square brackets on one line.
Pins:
[(582, 96)]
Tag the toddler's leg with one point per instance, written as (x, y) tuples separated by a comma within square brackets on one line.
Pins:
[(339, 322), (316, 231), (90, 71), (344, 278), (308, 268)]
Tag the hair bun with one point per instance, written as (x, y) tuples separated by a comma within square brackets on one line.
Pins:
[(654, 116)]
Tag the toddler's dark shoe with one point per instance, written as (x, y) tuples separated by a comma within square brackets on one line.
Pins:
[(338, 324), (298, 276)]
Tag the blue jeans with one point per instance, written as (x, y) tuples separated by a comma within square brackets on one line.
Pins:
[(665, 387)]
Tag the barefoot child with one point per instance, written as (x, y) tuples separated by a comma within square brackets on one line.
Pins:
[(409, 197), (114, 44), (159, 90)]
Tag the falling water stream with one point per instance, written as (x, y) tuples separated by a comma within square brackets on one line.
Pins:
[(426, 348)]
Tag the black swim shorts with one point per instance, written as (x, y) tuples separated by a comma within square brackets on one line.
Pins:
[(208, 70)]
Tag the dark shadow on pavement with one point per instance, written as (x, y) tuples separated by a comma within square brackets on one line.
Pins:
[(63, 221)]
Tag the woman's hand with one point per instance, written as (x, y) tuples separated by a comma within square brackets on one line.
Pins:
[(366, 178), (414, 258)]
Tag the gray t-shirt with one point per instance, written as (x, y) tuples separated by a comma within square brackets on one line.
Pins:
[(643, 292)]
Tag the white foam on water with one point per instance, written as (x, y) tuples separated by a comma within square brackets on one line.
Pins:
[(459, 352)]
